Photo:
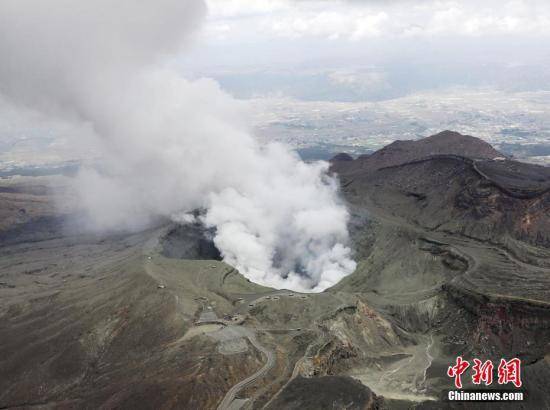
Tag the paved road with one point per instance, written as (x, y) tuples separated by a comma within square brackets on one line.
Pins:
[(232, 393), (228, 402), (209, 316)]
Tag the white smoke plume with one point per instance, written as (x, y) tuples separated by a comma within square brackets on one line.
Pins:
[(170, 145)]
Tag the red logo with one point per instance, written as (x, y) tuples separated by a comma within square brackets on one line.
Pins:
[(482, 372), (457, 370), (508, 372)]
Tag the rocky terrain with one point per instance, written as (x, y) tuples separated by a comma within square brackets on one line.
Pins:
[(452, 243), (400, 152), (474, 217)]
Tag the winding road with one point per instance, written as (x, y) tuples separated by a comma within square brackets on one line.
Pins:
[(232, 393)]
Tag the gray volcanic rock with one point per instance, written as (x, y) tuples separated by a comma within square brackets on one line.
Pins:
[(341, 157), (517, 179), (400, 152), (458, 246), (453, 259), (328, 392), (190, 241), (438, 183)]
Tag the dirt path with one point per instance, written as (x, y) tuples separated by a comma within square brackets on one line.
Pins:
[(429, 361)]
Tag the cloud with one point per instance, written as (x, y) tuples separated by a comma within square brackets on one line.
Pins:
[(359, 20), (360, 80), (170, 145), (239, 8), (329, 24)]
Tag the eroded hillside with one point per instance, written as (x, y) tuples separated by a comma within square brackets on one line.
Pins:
[(453, 259)]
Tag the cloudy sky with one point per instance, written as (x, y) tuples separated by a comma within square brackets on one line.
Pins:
[(359, 20), (344, 51), (353, 50)]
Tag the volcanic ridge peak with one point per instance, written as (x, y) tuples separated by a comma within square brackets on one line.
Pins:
[(402, 151), (444, 143), (342, 156)]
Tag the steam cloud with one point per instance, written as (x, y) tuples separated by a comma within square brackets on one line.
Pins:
[(171, 145)]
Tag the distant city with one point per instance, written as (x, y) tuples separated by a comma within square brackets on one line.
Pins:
[(518, 124)]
